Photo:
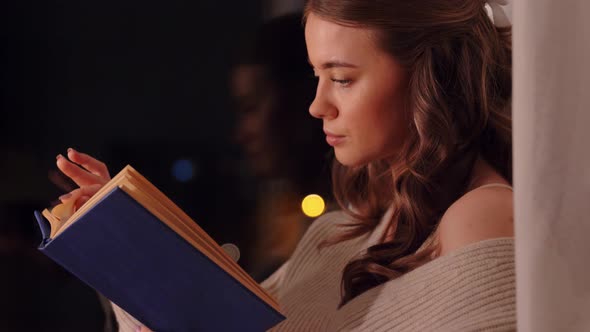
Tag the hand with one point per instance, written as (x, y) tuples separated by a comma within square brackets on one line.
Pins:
[(88, 173)]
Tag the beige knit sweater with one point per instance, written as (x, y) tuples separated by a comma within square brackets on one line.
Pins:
[(471, 289)]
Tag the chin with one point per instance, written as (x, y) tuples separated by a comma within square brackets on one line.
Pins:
[(351, 159)]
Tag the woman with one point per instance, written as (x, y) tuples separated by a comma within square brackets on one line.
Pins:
[(414, 97), (272, 88)]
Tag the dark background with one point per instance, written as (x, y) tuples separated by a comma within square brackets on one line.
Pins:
[(131, 82)]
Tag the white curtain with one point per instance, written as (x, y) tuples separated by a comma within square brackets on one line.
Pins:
[(551, 114)]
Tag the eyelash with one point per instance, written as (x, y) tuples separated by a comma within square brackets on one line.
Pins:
[(343, 83)]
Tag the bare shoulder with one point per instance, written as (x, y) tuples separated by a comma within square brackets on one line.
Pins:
[(484, 213)]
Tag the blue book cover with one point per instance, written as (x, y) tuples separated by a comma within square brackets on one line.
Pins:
[(127, 254)]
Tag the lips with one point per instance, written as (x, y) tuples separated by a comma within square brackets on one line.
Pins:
[(333, 139)]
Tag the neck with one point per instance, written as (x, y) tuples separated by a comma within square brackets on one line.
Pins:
[(483, 173)]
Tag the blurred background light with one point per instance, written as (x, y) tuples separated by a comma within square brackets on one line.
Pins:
[(183, 170), (313, 205)]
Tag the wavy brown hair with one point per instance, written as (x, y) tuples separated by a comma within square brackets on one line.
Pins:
[(458, 99)]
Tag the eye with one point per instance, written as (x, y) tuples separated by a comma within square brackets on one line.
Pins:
[(343, 83)]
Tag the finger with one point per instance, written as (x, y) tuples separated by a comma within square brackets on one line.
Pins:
[(82, 191), (76, 173), (81, 201), (145, 329), (72, 195), (91, 164)]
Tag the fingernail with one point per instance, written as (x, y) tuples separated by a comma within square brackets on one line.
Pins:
[(58, 156), (65, 196), (70, 150)]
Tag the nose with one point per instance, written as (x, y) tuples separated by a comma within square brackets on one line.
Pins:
[(322, 107)]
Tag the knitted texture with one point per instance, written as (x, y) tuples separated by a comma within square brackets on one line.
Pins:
[(471, 289)]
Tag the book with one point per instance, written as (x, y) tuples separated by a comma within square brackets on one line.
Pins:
[(132, 244)]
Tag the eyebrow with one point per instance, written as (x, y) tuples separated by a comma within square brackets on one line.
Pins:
[(333, 64)]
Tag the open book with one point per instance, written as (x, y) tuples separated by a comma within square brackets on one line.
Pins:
[(136, 247)]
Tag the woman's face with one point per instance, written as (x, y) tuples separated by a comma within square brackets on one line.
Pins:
[(360, 93), (254, 96)]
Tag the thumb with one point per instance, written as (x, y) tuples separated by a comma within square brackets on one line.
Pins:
[(82, 191)]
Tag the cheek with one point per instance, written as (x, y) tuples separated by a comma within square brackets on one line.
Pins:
[(386, 124), (388, 132)]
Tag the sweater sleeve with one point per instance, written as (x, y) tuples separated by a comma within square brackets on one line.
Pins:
[(273, 283), (318, 231)]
